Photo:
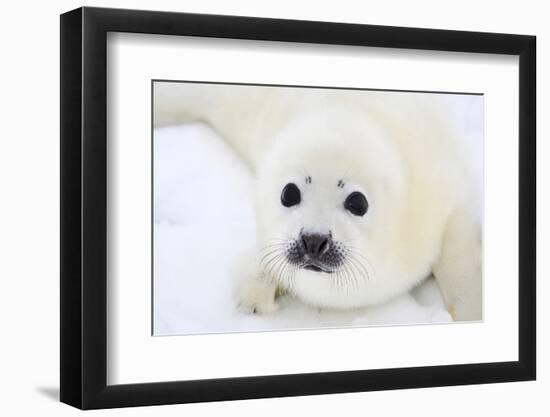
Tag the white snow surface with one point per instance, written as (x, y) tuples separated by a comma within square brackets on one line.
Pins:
[(204, 219)]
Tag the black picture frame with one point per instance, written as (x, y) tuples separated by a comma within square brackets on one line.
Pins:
[(84, 207)]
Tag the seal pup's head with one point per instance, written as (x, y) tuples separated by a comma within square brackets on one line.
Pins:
[(330, 195)]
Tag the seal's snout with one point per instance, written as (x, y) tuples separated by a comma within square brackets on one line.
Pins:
[(316, 252), (315, 245)]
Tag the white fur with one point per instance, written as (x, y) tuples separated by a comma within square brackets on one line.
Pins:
[(401, 150)]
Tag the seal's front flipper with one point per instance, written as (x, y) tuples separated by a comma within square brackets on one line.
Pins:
[(257, 297), (254, 294)]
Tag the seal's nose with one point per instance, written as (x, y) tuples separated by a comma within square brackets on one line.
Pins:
[(315, 244)]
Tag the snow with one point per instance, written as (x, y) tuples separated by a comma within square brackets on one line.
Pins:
[(204, 219)]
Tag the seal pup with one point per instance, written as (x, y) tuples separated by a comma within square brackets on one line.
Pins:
[(360, 195)]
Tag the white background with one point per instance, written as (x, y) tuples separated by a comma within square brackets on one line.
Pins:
[(29, 218)]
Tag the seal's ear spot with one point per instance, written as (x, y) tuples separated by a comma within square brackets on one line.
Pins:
[(291, 195), (356, 203)]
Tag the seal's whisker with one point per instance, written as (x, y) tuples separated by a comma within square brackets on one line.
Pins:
[(272, 261), (280, 239), (268, 255), (287, 273), (274, 245), (275, 266), (347, 277), (268, 251), (268, 261), (279, 269), (336, 279), (358, 264), (354, 251), (353, 271), (351, 268), (291, 281)]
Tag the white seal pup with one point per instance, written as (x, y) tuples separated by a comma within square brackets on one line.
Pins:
[(360, 194)]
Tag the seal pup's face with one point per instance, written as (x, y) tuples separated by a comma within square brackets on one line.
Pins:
[(320, 228), (326, 191)]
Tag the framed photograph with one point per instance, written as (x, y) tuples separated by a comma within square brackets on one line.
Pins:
[(257, 208)]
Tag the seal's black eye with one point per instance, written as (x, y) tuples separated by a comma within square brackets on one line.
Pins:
[(290, 195), (356, 203)]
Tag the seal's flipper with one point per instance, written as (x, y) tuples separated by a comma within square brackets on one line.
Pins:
[(458, 268)]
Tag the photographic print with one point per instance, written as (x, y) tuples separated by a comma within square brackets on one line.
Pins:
[(293, 207)]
